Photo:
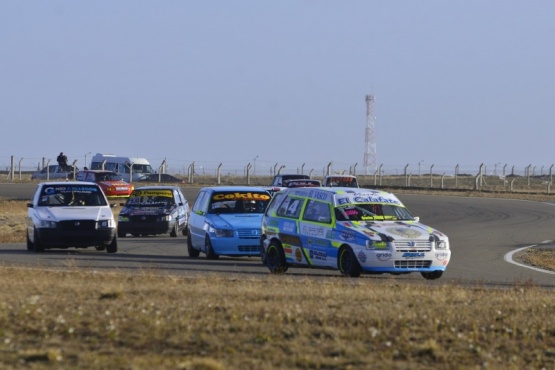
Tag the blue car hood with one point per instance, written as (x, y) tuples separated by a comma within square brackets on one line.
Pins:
[(235, 221)]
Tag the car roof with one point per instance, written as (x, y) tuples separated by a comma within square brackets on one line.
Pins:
[(79, 183), (333, 193), (99, 171), (161, 187), (296, 175), (235, 188)]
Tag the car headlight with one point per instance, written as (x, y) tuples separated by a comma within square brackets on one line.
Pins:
[(376, 244), (106, 224), (221, 233), (166, 218), (44, 224)]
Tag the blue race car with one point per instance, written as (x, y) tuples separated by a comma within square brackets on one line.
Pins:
[(226, 220)]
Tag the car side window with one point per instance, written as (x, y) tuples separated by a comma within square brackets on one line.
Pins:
[(201, 203), (290, 207), (317, 212)]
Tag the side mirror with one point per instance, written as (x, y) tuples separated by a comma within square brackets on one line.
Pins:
[(416, 219), (29, 205)]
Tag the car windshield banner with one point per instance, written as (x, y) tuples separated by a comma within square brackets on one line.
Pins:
[(153, 193)]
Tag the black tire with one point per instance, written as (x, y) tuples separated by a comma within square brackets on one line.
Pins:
[(347, 262), (173, 233), (275, 258), (193, 253), (210, 254), (433, 275), (37, 245), (30, 246), (262, 252), (113, 246)]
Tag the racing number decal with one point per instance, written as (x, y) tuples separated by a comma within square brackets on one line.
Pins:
[(292, 209)]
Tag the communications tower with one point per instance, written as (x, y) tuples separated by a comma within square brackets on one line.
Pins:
[(370, 154)]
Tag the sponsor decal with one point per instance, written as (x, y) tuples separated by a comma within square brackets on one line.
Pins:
[(362, 256), (369, 233), (413, 255), (153, 193), (317, 194), (405, 232), (273, 223), (442, 256), (375, 199), (316, 255), (315, 231), (288, 227), (347, 235), (298, 255), (290, 239), (288, 250), (385, 256), (238, 196)]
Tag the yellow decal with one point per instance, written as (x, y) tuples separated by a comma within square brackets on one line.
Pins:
[(152, 193), (239, 196)]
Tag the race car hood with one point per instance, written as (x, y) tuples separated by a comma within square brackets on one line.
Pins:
[(393, 230), (145, 211), (235, 221), (74, 213), (114, 183)]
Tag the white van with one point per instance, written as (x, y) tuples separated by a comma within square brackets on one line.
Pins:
[(124, 166)]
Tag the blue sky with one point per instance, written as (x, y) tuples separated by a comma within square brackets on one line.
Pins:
[(210, 82)]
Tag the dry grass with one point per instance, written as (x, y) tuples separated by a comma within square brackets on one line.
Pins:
[(90, 320), (77, 319)]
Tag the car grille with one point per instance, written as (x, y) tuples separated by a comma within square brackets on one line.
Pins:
[(410, 246), (248, 248), (77, 225), (145, 219), (249, 233), (412, 264)]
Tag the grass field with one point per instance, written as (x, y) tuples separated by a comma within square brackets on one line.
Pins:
[(90, 320), (84, 320)]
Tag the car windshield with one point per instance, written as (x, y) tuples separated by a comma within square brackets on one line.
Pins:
[(348, 182), (239, 202), (372, 212), (108, 177), (151, 198), (71, 195)]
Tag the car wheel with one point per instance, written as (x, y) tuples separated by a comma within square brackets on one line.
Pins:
[(210, 254), (275, 258), (433, 275), (347, 262), (262, 252), (173, 233), (121, 234), (193, 253), (30, 246), (113, 246), (37, 245)]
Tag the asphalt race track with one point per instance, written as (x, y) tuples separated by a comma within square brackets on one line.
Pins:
[(483, 233)]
